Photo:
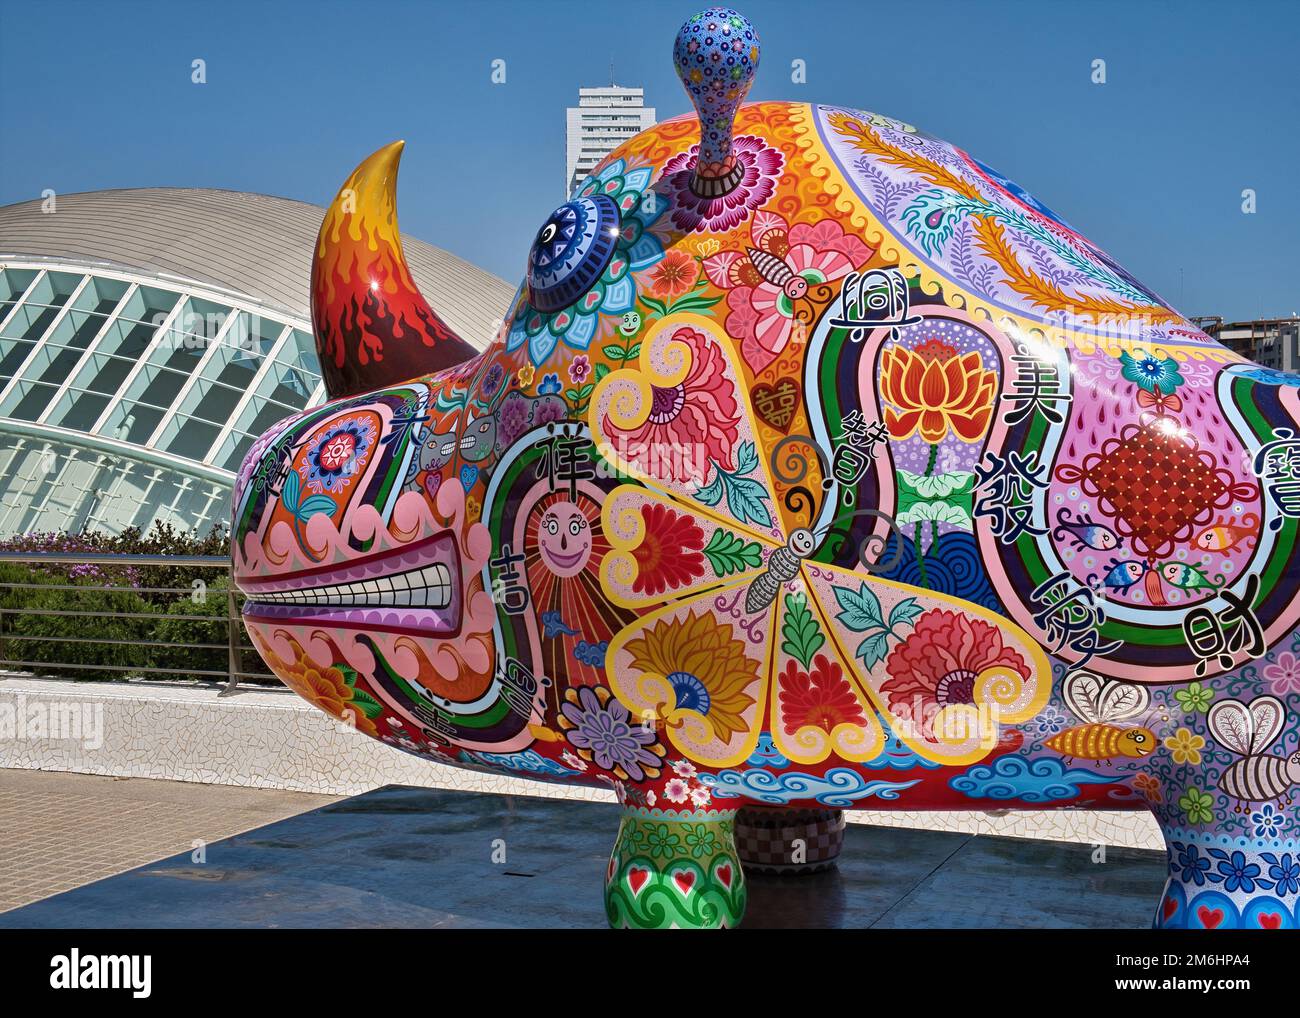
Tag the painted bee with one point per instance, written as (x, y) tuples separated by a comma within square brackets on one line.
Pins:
[(1099, 703), (782, 567), (1248, 730)]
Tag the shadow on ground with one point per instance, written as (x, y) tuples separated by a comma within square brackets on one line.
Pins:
[(425, 858)]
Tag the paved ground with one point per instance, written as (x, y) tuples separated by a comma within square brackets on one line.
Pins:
[(424, 858), (59, 831)]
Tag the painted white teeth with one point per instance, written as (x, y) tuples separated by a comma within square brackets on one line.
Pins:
[(429, 587)]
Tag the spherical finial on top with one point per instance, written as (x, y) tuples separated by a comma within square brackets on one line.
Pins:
[(716, 55)]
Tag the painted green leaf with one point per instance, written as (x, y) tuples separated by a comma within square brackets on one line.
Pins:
[(938, 512), (954, 482), (290, 492), (746, 458), (317, 504), (729, 553), (745, 500), (904, 613), (801, 637), (711, 493), (861, 609), (872, 650), (370, 707)]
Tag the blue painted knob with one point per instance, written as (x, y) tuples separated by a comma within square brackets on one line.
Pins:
[(716, 55)]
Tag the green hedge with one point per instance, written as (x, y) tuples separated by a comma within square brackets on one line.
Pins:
[(131, 632)]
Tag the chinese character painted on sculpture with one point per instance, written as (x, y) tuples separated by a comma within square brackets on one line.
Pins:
[(816, 466)]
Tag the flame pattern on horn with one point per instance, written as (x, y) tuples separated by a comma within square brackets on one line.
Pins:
[(372, 326)]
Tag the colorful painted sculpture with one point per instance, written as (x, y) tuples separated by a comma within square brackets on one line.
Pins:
[(817, 465)]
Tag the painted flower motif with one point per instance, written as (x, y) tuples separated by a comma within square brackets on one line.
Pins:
[(676, 790), (705, 665), (763, 312), (936, 397), (651, 798), (1284, 675), (1150, 371), (1185, 747), (550, 385), (335, 455), (1198, 806), (821, 698), (662, 842), (1148, 787), (1048, 722), (946, 659), (599, 727), (1195, 699), (1240, 875), (674, 275), (579, 369), (1267, 821), (1284, 871), (700, 796), (598, 311), (1195, 867), (492, 380), (670, 552), (761, 169), (573, 761), (324, 688), (699, 415), (684, 769), (525, 376), (708, 246), (701, 839)]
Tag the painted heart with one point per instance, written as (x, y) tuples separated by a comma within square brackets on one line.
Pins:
[(685, 880), (1210, 917), (636, 879), (1170, 907), (431, 484), (592, 299), (776, 404), (468, 475), (1270, 920), (723, 873)]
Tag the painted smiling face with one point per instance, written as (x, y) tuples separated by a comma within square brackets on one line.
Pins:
[(564, 539)]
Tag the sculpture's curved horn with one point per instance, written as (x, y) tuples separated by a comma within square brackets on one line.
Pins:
[(372, 326)]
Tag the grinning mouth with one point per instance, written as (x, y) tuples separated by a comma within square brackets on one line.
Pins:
[(414, 589)]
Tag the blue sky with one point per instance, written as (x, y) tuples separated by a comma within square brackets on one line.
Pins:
[(1201, 101)]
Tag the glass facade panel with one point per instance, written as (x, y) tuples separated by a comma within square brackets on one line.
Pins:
[(89, 354)]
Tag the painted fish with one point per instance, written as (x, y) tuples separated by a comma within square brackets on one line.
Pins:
[(1084, 532), (1225, 535), (1185, 577)]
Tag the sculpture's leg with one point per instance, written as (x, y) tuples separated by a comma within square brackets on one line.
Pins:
[(1231, 875), (675, 870), (788, 841)]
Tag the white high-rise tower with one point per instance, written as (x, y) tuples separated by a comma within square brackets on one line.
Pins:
[(603, 119)]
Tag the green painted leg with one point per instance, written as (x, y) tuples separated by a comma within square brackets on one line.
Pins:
[(674, 870)]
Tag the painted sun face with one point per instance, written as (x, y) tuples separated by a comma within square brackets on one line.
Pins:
[(564, 539)]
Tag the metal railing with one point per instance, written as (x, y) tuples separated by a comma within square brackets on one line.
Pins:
[(214, 565)]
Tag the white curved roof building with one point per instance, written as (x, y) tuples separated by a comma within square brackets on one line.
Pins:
[(148, 336)]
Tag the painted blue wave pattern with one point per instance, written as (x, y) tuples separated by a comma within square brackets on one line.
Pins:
[(529, 761), (1015, 777), (838, 787)]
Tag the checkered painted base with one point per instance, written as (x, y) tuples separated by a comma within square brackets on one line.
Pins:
[(770, 840)]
